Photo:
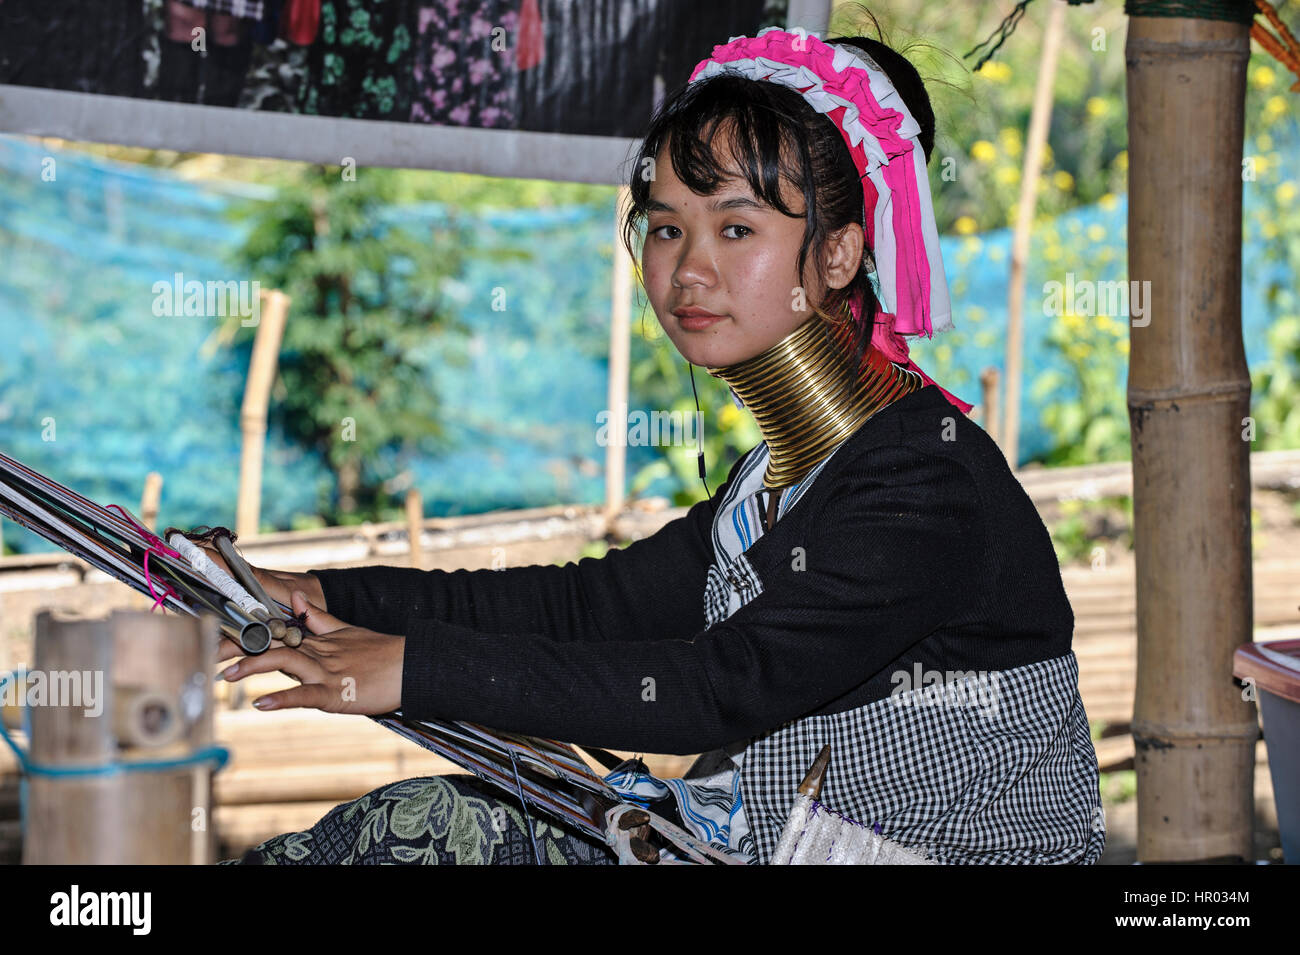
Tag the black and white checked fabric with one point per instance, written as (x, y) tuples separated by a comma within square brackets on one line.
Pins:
[(242, 9), (1005, 776)]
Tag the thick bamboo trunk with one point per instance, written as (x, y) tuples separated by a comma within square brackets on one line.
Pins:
[(1188, 393)]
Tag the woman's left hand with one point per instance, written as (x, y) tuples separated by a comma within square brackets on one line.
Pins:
[(342, 669)]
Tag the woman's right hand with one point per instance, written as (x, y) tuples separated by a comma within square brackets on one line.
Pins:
[(278, 584)]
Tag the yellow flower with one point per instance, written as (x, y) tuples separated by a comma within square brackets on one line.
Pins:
[(983, 151), (1063, 181), (1108, 201), (1275, 107), (995, 72), (728, 415), (1122, 346), (1047, 154), (1263, 77), (1077, 351), (965, 225), (1097, 107), (1270, 230), (972, 245), (1286, 192), (1009, 139), (1007, 175), (1104, 324), (1097, 232), (1052, 253), (1263, 141), (1121, 160)]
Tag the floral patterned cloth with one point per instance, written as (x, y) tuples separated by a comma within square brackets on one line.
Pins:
[(431, 820), (362, 49), (460, 80)]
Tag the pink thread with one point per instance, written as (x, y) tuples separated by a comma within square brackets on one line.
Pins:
[(157, 546)]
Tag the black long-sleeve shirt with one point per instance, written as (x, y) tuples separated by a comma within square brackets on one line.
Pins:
[(915, 544)]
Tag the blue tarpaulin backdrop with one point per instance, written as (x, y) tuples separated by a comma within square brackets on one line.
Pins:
[(122, 392)]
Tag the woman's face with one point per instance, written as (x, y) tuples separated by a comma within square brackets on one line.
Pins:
[(734, 257)]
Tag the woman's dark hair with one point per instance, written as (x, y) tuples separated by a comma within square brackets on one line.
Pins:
[(776, 135)]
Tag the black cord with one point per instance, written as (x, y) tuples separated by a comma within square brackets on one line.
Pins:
[(1003, 31), (699, 417)]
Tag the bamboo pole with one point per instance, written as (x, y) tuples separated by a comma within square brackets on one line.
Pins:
[(620, 338), (989, 403), (149, 500), (145, 678), (1188, 393), (414, 526), (252, 416), (1039, 121)]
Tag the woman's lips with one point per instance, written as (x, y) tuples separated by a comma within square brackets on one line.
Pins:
[(694, 323)]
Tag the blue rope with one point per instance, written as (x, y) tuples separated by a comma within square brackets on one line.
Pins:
[(211, 754)]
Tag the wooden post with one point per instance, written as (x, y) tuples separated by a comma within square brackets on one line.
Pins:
[(989, 402), (620, 335), (414, 526), (1039, 120), (1188, 393), (149, 500), (252, 416), (144, 694)]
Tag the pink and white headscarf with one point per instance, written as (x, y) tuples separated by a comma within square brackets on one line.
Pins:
[(882, 137)]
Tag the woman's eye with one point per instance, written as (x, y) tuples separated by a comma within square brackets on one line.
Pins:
[(745, 228)]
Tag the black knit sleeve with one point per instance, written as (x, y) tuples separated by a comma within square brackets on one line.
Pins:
[(892, 554), (650, 589)]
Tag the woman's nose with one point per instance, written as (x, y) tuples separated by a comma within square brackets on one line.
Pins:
[(694, 266)]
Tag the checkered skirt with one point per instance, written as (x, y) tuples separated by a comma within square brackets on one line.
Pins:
[(1006, 775)]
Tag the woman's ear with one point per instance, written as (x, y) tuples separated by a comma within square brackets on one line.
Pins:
[(844, 255)]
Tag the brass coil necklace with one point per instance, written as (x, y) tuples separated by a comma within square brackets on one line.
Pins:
[(802, 394)]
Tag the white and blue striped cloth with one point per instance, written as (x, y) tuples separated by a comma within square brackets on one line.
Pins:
[(709, 796)]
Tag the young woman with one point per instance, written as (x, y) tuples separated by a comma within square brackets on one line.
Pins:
[(870, 576)]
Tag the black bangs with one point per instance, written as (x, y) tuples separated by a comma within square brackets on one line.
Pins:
[(768, 144), (762, 133)]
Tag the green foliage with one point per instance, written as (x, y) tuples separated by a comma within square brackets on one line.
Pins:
[(1085, 408), (1083, 525), (1271, 117), (660, 379), (1119, 786), (355, 371)]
